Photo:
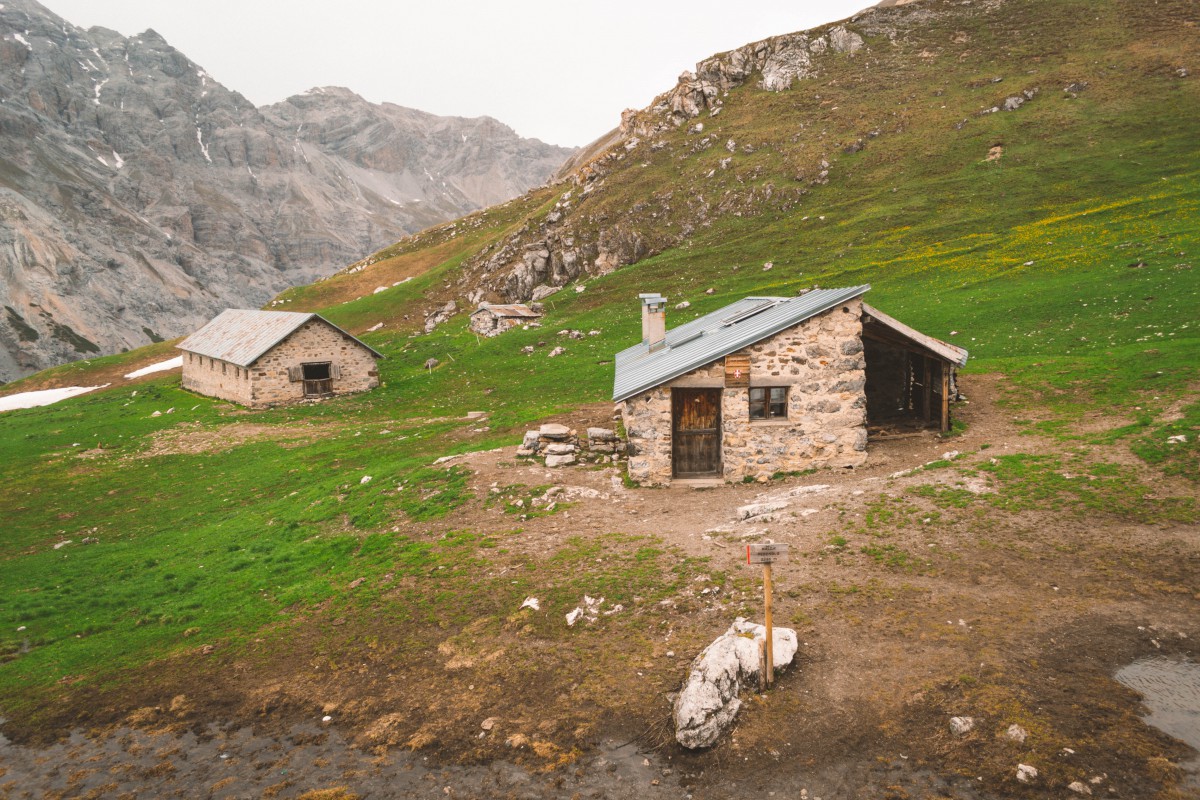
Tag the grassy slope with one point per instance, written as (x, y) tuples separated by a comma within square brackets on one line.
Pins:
[(223, 545)]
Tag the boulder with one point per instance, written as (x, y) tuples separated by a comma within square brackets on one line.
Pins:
[(560, 449), (759, 509), (601, 435), (552, 430), (559, 461), (531, 440), (708, 703), (960, 726)]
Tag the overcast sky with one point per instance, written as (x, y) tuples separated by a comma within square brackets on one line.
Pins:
[(558, 70)]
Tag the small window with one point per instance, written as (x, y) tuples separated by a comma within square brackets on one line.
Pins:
[(768, 402)]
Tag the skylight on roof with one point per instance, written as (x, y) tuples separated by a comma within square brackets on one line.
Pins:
[(748, 313)]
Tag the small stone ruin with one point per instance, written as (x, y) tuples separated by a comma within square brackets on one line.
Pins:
[(560, 446)]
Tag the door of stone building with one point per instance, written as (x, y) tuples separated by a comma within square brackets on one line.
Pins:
[(696, 432)]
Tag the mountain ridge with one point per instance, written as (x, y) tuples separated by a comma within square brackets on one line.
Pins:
[(140, 196)]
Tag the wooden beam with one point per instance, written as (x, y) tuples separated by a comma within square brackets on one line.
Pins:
[(945, 397)]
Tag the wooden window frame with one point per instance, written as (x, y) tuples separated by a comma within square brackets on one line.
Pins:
[(772, 409)]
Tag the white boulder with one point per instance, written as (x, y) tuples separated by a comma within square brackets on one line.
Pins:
[(758, 509), (708, 703), (961, 726)]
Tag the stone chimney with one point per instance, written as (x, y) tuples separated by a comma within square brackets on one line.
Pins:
[(654, 320)]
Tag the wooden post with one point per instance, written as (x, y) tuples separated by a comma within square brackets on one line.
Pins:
[(945, 397), (767, 615), (766, 554)]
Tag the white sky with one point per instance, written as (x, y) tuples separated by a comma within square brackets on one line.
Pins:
[(558, 70)]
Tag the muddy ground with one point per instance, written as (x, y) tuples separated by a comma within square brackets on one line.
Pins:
[(915, 599)]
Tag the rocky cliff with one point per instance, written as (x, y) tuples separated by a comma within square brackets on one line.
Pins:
[(580, 237), (138, 196)]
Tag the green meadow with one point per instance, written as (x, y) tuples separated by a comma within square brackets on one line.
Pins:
[(1070, 265)]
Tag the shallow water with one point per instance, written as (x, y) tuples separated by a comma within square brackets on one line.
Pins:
[(235, 762), (1170, 689)]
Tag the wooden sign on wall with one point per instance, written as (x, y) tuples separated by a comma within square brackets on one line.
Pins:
[(737, 371)]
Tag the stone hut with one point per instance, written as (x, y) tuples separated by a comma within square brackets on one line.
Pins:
[(492, 320), (263, 358), (775, 384)]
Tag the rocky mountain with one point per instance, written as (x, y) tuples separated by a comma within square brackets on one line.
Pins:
[(779, 124), (138, 195)]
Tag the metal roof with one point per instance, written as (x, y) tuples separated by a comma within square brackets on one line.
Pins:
[(513, 310), (949, 352), (716, 335), (241, 336)]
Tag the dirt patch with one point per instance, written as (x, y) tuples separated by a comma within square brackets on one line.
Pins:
[(935, 581), (191, 438)]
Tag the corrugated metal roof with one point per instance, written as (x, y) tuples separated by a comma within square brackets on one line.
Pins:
[(241, 336), (718, 334), (514, 310), (951, 353)]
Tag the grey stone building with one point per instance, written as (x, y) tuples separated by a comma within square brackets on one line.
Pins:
[(775, 384), (492, 319), (263, 358)]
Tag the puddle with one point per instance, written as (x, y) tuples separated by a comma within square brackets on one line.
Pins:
[(1170, 689), (235, 762)]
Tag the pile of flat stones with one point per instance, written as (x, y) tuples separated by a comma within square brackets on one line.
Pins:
[(560, 445)]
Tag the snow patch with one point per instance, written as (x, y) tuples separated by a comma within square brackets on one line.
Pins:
[(203, 146), (18, 37), (161, 366), (43, 397), (117, 158), (98, 87)]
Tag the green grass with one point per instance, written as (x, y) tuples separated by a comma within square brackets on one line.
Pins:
[(1071, 266)]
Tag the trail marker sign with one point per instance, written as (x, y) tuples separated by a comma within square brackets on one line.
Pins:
[(770, 553), (767, 554)]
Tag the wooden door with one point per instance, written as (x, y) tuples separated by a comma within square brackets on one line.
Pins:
[(696, 432)]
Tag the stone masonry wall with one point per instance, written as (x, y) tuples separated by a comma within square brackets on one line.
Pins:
[(215, 378), (266, 381), (314, 341), (821, 363)]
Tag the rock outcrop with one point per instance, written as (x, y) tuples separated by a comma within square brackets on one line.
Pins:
[(138, 195), (567, 245), (708, 704)]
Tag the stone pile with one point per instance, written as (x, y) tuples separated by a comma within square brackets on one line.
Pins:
[(561, 446)]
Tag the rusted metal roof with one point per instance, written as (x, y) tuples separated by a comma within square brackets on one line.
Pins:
[(945, 350), (514, 310), (718, 334), (241, 336)]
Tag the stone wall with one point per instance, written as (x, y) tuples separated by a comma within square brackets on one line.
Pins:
[(267, 381), (821, 363), (215, 378)]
